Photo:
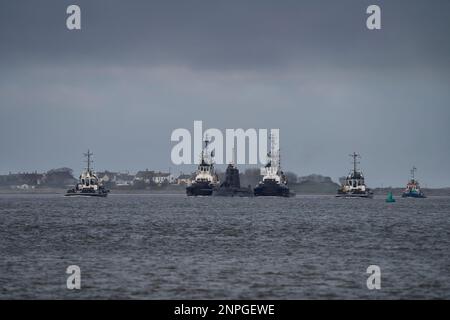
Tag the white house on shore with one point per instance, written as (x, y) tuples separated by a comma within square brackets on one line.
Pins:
[(184, 179), (163, 177)]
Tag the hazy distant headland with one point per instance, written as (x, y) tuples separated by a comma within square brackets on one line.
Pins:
[(151, 181)]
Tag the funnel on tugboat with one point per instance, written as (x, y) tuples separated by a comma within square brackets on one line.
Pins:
[(88, 183), (354, 184)]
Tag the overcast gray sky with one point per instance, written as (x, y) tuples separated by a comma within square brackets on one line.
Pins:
[(139, 69)]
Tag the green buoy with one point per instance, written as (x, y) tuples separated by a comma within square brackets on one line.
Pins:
[(390, 198)]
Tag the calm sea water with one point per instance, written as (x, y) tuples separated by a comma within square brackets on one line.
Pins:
[(174, 247)]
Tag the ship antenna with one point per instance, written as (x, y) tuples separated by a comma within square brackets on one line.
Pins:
[(279, 159), (89, 161), (413, 171), (206, 141), (233, 160), (274, 151), (355, 156)]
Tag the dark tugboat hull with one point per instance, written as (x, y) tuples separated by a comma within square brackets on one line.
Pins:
[(199, 190), (413, 195), (272, 191), (86, 194)]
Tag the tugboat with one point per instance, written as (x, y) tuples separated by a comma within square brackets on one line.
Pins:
[(231, 187), (206, 179), (413, 188), (88, 183), (274, 182), (354, 185)]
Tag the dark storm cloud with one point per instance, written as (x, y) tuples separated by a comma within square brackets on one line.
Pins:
[(139, 69), (226, 34)]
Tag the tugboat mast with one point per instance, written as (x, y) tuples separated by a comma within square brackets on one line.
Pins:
[(279, 157), (89, 161), (413, 171), (205, 150), (274, 153), (355, 156), (233, 160), (204, 147)]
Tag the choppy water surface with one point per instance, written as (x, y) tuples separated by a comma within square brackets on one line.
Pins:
[(174, 247)]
